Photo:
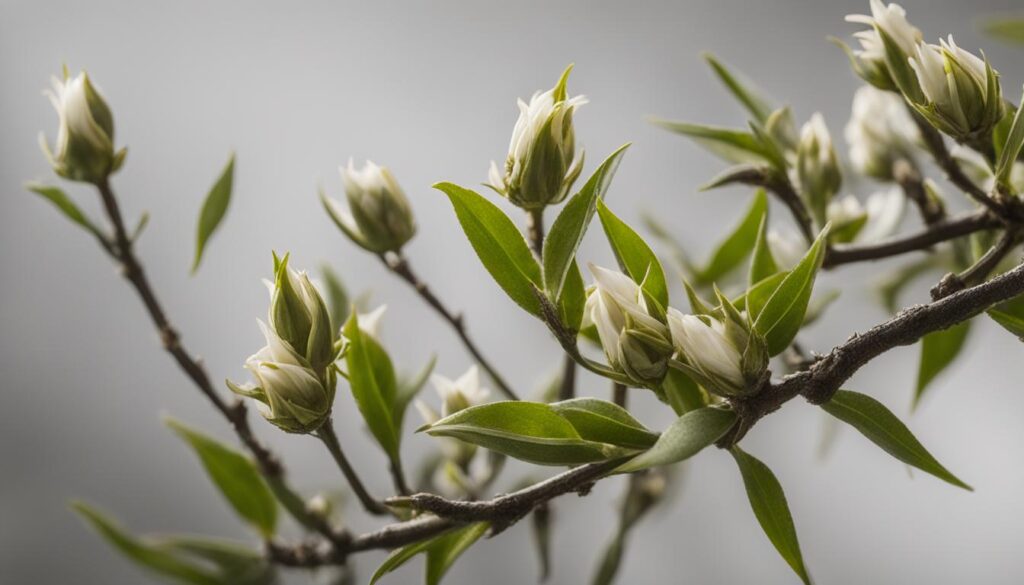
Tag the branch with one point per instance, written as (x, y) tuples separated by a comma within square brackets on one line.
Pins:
[(399, 265), (828, 374), (330, 439), (269, 465), (909, 179), (941, 231)]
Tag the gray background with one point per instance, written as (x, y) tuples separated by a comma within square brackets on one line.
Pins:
[(297, 88)]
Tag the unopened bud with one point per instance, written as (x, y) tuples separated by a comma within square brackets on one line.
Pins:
[(817, 168), (380, 218)]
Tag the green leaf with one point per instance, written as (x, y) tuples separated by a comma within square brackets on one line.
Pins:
[(143, 553), (566, 233), (899, 68), (499, 245), (1011, 148), (680, 392), (236, 476), (881, 427), (56, 196), (408, 389), (529, 431), (449, 547), (573, 301), (442, 551), (236, 564), (337, 297), (372, 380), (1010, 30), (751, 99), (938, 350), (769, 504), (783, 314), (684, 438), (214, 208), (605, 422), (738, 244), (735, 146), (762, 263), (634, 256), (1010, 315)]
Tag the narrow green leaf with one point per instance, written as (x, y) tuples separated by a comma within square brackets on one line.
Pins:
[(881, 427), (757, 296), (938, 350), (731, 252), (573, 301), (59, 198), (236, 564), (372, 380), (337, 297), (442, 551), (605, 422), (567, 231), (735, 146), (1011, 148), (681, 393), (443, 554), (783, 313), (1010, 30), (751, 99), (144, 554), (214, 208), (762, 263), (634, 256), (499, 245), (769, 504), (684, 438), (529, 431), (1010, 315), (236, 476), (408, 389)]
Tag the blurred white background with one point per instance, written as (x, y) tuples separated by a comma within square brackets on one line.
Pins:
[(429, 89)]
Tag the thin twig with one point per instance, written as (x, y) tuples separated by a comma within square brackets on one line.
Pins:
[(535, 230), (619, 395), (979, 271), (567, 388), (399, 265), (909, 179), (330, 439), (941, 231), (121, 250)]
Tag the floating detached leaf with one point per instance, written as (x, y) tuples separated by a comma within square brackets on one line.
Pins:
[(214, 208)]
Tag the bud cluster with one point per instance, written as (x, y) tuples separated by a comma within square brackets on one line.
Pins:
[(294, 372)]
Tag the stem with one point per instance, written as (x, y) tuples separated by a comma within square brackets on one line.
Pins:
[(781, 186), (938, 232), (326, 434), (567, 390), (619, 395), (909, 179), (399, 265), (121, 250), (398, 476), (535, 230)]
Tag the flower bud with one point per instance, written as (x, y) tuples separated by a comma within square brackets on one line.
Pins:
[(817, 169), (456, 395), (847, 217), (84, 150), (541, 166), (869, 62), (961, 95), (725, 355), (880, 132), (635, 342), (885, 210), (787, 247), (380, 218), (299, 315), (289, 394)]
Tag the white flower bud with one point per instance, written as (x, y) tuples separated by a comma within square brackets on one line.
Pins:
[(880, 132), (960, 98), (456, 395), (817, 169), (787, 247), (289, 394), (541, 165), (724, 356), (634, 341), (379, 218), (299, 315), (847, 217), (84, 150), (870, 59), (885, 210)]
